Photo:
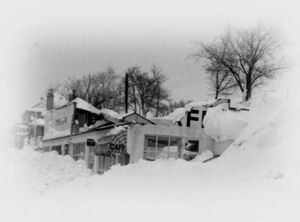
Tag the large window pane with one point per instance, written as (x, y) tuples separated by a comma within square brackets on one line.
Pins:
[(150, 148), (175, 147), (162, 147)]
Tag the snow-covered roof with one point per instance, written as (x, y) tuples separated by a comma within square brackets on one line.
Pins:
[(162, 121), (82, 104), (109, 112), (122, 115), (190, 105), (177, 114)]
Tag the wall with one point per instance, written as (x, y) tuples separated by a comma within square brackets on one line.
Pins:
[(58, 122), (136, 135)]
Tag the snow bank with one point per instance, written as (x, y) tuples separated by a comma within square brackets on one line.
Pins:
[(222, 124), (40, 172), (259, 149), (205, 155)]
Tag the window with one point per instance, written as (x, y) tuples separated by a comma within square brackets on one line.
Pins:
[(191, 149), (79, 151), (192, 146), (162, 147), (150, 148)]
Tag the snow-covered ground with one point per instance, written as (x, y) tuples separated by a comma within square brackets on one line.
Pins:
[(256, 179)]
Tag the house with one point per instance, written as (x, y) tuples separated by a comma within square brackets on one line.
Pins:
[(34, 117)]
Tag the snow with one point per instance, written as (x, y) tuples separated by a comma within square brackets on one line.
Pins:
[(205, 155), (222, 124), (171, 118), (41, 172), (122, 115), (164, 153), (109, 112), (255, 180), (116, 130), (38, 121), (260, 150), (81, 104), (177, 114), (191, 105)]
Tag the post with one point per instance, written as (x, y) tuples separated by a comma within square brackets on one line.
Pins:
[(87, 155), (71, 149), (96, 164), (126, 93)]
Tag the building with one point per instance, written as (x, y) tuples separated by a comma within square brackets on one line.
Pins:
[(103, 137), (34, 117)]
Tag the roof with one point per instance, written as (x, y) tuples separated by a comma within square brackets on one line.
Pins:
[(109, 112), (122, 115), (84, 105), (125, 117)]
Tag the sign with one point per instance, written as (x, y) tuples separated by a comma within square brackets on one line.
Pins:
[(193, 118), (90, 142), (21, 129), (58, 122)]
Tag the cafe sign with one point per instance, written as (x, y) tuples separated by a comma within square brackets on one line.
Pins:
[(21, 129)]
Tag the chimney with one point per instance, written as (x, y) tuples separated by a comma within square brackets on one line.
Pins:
[(50, 100), (111, 102), (73, 95)]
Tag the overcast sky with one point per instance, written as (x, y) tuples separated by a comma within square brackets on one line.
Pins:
[(45, 42)]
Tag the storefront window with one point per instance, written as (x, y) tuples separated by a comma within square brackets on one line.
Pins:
[(162, 147), (150, 148), (175, 145)]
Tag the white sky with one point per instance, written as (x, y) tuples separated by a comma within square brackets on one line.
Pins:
[(46, 41)]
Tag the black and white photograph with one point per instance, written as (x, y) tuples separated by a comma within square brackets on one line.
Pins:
[(149, 111)]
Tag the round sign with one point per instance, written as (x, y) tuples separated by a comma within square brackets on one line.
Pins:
[(21, 129)]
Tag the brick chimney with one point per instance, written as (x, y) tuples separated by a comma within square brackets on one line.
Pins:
[(50, 100)]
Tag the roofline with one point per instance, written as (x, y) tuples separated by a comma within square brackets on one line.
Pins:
[(139, 116)]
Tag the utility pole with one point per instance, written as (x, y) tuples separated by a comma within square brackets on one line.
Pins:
[(126, 93)]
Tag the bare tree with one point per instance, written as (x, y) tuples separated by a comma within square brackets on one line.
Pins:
[(161, 93), (180, 104), (221, 81), (248, 55), (98, 89), (146, 92)]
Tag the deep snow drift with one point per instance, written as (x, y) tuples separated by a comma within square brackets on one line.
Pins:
[(256, 179)]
